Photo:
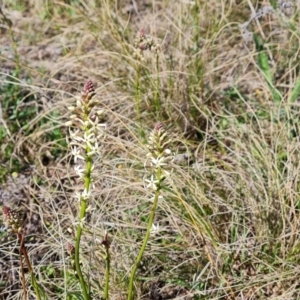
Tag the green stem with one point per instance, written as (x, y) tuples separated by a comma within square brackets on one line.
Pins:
[(83, 207), (142, 250), (138, 99), (77, 246)]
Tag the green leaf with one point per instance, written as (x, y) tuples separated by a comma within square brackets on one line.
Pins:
[(295, 92), (263, 63), (76, 295)]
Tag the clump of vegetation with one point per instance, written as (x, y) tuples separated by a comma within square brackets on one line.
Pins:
[(190, 190)]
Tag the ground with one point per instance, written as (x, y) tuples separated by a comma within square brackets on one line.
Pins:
[(221, 78)]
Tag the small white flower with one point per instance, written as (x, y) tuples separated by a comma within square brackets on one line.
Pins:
[(80, 222), (163, 136), (71, 108), (100, 130), (75, 135), (78, 139), (93, 149), (77, 196), (77, 154), (168, 152), (90, 208), (158, 162), (152, 183), (95, 122), (78, 103), (154, 229), (71, 132), (85, 194), (166, 174), (73, 117), (69, 123), (79, 171), (89, 139)]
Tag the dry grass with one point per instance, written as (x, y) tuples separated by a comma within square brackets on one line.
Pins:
[(229, 222)]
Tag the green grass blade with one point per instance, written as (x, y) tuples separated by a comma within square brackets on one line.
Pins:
[(263, 63), (295, 92)]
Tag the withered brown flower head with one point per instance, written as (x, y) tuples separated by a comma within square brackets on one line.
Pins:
[(12, 220), (70, 249), (88, 91), (106, 242), (144, 42), (158, 126)]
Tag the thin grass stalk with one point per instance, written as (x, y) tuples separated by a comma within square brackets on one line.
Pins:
[(138, 92), (13, 41), (138, 99), (157, 103)]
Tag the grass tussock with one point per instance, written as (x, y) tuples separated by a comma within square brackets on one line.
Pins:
[(222, 80)]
